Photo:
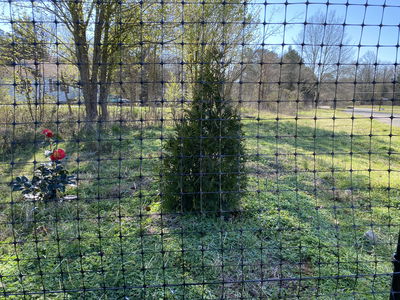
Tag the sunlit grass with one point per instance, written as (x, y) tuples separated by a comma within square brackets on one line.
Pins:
[(305, 215)]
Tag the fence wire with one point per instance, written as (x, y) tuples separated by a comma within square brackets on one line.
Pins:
[(199, 149)]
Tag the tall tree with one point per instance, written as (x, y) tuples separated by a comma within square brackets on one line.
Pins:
[(366, 76), (321, 46), (291, 75), (26, 43), (98, 30), (297, 77), (211, 26), (25, 49), (385, 78)]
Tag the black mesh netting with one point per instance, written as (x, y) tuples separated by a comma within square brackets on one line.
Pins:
[(199, 149)]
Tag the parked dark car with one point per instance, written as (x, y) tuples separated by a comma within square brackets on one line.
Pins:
[(117, 100)]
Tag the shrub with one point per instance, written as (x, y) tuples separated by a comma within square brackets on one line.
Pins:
[(49, 179), (203, 164)]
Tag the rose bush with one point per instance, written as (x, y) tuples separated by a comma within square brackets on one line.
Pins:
[(57, 154), (48, 133), (49, 179)]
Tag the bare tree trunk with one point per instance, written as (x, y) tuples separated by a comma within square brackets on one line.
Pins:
[(104, 92), (316, 96), (144, 77), (89, 87), (68, 103), (105, 77), (89, 92), (316, 99)]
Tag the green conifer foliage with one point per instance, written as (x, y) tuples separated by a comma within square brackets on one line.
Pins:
[(204, 162)]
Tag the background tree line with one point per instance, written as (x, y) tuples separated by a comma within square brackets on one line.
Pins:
[(152, 54)]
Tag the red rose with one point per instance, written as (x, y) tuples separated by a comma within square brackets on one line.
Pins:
[(58, 154), (48, 133)]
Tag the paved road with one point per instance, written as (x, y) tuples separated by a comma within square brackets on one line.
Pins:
[(380, 116)]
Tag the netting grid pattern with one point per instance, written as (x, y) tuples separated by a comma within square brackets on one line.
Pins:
[(213, 149)]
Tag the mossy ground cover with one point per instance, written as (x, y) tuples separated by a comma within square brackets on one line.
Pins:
[(316, 186)]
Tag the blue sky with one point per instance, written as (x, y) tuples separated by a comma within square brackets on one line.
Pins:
[(371, 13)]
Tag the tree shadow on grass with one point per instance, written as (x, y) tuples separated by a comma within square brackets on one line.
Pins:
[(280, 236), (310, 139)]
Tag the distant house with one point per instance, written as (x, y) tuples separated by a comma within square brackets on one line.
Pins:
[(48, 85)]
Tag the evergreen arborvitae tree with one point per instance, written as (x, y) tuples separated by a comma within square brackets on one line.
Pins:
[(291, 72), (204, 162)]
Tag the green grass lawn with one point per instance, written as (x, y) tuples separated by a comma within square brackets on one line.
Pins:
[(316, 186)]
